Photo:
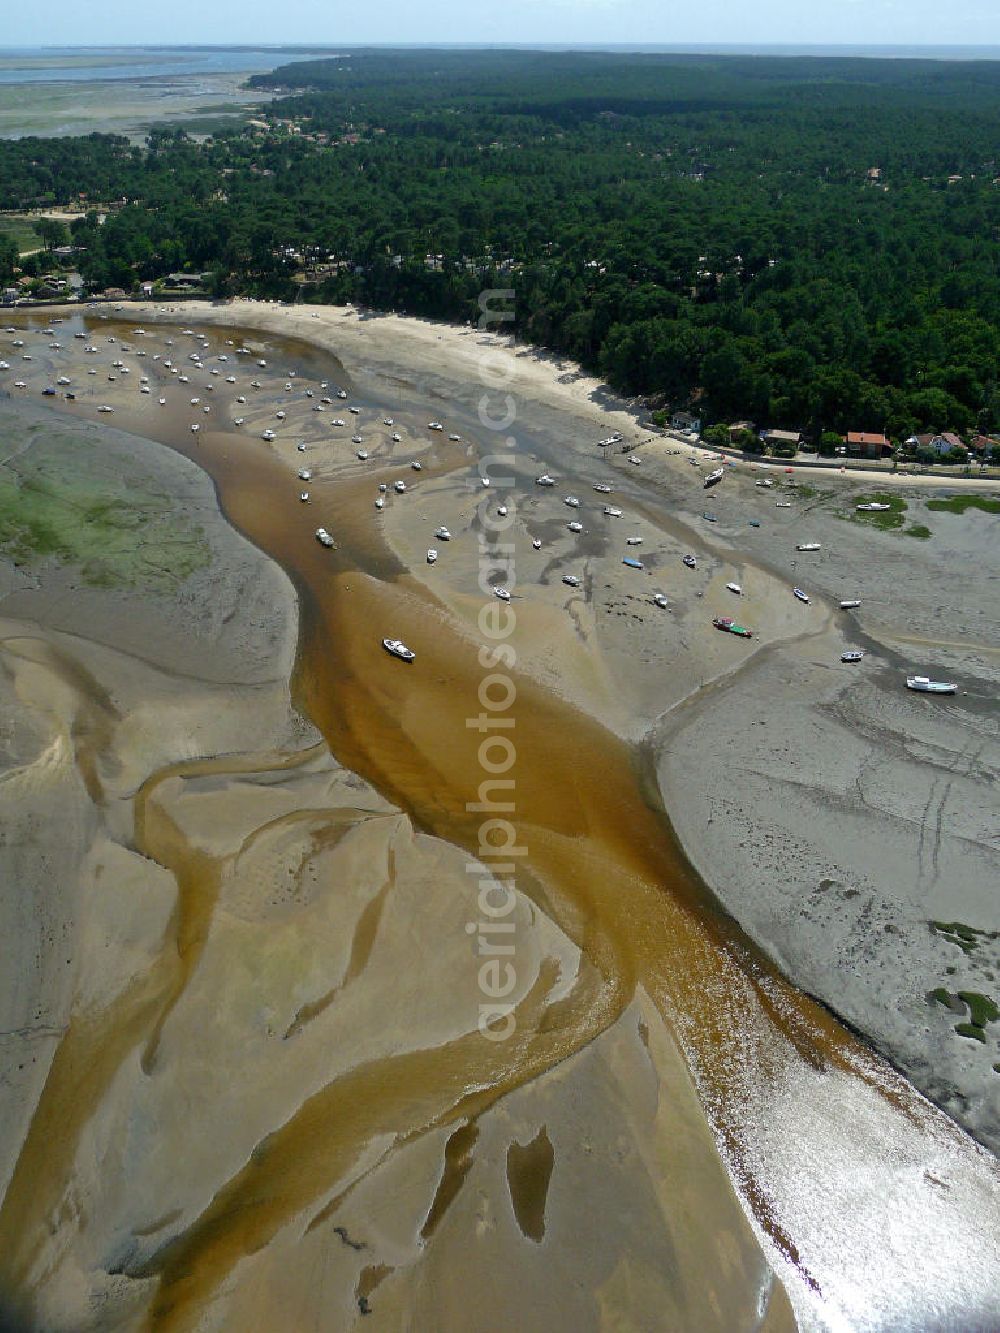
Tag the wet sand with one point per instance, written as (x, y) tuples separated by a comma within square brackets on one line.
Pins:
[(611, 921)]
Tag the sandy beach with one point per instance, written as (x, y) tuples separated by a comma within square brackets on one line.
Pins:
[(260, 884)]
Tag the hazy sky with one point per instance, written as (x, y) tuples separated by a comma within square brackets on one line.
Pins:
[(931, 22)]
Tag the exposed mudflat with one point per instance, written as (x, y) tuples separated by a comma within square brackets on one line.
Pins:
[(245, 1076)]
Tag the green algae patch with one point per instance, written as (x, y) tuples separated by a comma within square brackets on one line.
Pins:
[(117, 531), (958, 504)]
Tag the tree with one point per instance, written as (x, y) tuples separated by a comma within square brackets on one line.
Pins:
[(8, 258), (51, 232), (829, 443)]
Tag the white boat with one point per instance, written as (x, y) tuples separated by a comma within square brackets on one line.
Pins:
[(399, 486), (850, 603), (782, 504), (872, 508), (355, 410), (632, 459), (443, 535), (571, 580), (382, 487), (767, 483), (611, 512), (802, 596), (398, 649), (923, 685), (545, 480), (715, 477), (237, 421), (304, 474), (144, 388), (735, 587), (195, 428), (572, 501), (396, 437), (434, 425), (690, 561), (851, 656), (633, 541), (304, 496), (502, 593), (454, 437), (323, 537), (301, 447), (280, 416), (161, 401), (103, 408), (660, 600), (575, 527), (341, 393), (267, 435), (387, 421), (432, 555), (602, 489), (416, 466), (355, 439), (808, 546), (502, 511), (362, 454), (485, 481), (380, 502), (63, 379), (536, 544)]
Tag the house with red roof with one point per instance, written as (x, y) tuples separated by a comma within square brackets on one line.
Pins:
[(867, 444)]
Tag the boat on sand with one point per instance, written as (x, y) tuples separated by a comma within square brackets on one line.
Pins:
[(924, 685)]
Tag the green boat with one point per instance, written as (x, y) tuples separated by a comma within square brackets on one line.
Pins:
[(731, 627)]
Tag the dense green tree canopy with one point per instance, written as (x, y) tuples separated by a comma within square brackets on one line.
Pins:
[(805, 243)]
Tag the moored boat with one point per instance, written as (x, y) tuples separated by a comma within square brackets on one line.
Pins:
[(850, 603), (803, 597), (808, 546), (690, 561), (398, 649), (731, 627), (924, 685), (324, 538), (853, 656), (715, 477)]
